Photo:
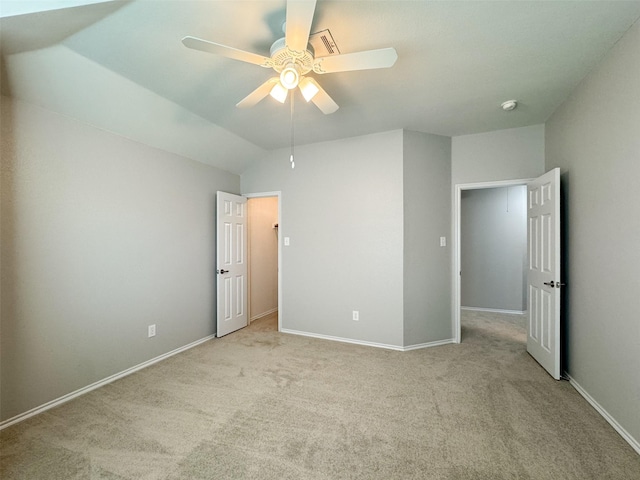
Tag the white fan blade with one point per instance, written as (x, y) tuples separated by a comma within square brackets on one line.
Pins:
[(323, 101), (367, 60), (258, 94), (298, 26), (229, 52)]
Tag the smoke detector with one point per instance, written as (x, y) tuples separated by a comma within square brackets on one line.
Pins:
[(509, 105)]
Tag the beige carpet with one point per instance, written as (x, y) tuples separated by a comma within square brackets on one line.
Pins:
[(259, 404)]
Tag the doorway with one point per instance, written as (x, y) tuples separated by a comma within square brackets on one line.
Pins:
[(264, 256), (481, 296)]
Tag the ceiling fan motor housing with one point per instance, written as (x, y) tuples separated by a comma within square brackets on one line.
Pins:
[(282, 57)]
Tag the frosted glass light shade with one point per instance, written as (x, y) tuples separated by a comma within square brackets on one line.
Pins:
[(279, 92), (289, 77), (309, 88)]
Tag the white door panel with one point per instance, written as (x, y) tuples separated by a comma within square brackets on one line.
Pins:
[(231, 257), (543, 245)]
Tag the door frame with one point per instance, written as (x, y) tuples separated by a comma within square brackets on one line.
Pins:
[(457, 204), (278, 195)]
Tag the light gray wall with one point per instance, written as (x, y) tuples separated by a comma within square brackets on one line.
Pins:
[(503, 155), (101, 236), (342, 208), (427, 217), (595, 139), (493, 248)]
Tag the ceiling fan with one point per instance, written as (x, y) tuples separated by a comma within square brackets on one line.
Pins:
[(292, 58)]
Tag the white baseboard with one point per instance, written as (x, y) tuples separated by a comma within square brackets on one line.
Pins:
[(365, 343), (612, 421), (263, 314), (494, 310), (98, 384), (437, 343), (340, 339)]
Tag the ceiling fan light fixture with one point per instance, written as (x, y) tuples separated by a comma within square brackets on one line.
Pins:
[(309, 87), (279, 92), (289, 77)]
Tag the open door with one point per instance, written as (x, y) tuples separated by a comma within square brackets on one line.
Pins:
[(543, 249), (231, 267)]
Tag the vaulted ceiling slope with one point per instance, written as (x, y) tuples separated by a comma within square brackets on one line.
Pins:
[(120, 65)]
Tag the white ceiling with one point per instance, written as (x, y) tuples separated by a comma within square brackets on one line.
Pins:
[(120, 65)]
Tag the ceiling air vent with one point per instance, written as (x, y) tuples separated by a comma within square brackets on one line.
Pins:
[(323, 44)]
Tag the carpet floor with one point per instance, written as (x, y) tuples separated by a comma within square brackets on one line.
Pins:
[(258, 404)]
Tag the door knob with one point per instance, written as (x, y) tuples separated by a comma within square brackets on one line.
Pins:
[(550, 284), (223, 271)]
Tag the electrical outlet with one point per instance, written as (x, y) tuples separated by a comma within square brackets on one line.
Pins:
[(443, 241), (152, 330), (356, 315)]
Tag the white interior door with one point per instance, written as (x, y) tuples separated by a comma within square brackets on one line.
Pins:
[(231, 262), (543, 248)]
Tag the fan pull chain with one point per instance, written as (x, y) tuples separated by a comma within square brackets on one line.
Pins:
[(293, 164)]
